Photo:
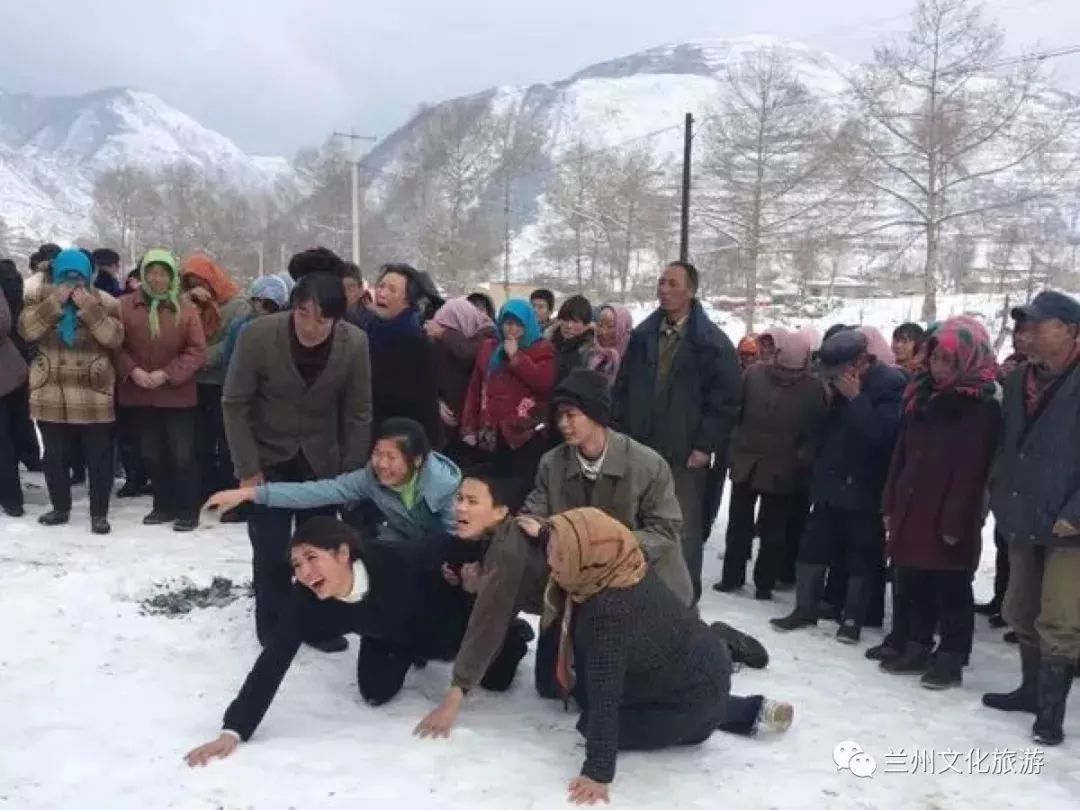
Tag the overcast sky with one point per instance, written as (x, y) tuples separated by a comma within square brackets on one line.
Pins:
[(278, 74)]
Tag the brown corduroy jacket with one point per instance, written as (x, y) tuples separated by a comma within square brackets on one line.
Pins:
[(72, 385)]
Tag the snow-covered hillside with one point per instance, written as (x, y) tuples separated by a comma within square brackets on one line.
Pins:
[(52, 148)]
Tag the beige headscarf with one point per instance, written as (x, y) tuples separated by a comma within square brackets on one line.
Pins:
[(600, 553)]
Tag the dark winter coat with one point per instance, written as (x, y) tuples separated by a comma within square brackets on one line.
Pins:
[(179, 350), (1036, 480), (572, 353), (11, 284), (641, 648), (856, 442), (13, 371), (455, 359), (512, 398), (271, 416), (397, 610), (404, 382), (635, 487), (937, 483), (772, 449), (696, 407)]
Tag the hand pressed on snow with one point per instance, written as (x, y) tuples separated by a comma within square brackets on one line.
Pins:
[(224, 745), (584, 790), (439, 721)]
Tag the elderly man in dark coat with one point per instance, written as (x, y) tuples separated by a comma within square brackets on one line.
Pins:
[(678, 393), (1035, 497), (854, 450)]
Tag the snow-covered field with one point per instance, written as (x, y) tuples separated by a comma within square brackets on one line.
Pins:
[(98, 703)]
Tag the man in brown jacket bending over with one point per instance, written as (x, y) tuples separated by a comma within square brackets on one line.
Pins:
[(597, 467), (297, 406)]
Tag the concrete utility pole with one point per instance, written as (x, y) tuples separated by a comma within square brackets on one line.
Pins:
[(684, 229), (355, 165)]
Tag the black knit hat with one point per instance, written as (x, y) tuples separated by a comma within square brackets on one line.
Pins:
[(588, 391)]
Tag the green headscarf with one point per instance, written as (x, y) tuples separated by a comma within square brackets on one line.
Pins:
[(171, 296)]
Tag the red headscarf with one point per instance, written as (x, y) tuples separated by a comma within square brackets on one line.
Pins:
[(966, 342)]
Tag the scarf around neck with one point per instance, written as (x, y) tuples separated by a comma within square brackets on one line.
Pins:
[(171, 296)]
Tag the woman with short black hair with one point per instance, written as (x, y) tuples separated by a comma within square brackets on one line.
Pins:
[(340, 586), (574, 338)]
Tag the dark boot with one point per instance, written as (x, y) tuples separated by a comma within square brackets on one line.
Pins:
[(745, 649), (809, 582), (54, 518), (946, 671), (1055, 681), (158, 518), (733, 577), (991, 608), (854, 611), (100, 525), (1024, 698), (882, 652), (915, 658)]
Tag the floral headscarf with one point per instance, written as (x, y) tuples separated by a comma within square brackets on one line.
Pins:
[(966, 342)]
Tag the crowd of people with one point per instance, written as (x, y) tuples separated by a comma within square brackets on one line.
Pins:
[(421, 471)]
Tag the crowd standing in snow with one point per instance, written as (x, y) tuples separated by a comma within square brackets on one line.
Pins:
[(421, 471)]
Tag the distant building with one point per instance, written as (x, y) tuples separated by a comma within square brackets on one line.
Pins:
[(842, 287)]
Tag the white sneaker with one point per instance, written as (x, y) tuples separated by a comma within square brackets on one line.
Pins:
[(775, 715)]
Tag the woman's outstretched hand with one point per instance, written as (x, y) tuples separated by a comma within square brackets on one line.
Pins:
[(229, 499), (224, 745)]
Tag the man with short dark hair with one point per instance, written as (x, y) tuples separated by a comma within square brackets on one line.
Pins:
[(678, 392), (297, 407), (543, 304), (107, 271), (1035, 497), (907, 346), (359, 301)]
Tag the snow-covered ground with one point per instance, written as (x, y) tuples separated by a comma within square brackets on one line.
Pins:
[(99, 702)]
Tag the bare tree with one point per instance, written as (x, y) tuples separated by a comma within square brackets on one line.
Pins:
[(772, 162), (573, 197), (946, 123), (123, 199), (6, 248)]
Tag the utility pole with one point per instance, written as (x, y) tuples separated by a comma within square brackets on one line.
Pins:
[(684, 233), (355, 165)]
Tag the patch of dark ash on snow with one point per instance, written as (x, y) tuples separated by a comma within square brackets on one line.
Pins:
[(176, 600)]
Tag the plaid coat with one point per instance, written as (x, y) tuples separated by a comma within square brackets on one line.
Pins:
[(72, 385)]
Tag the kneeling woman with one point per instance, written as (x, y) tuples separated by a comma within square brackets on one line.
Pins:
[(649, 673), (408, 488), (333, 593)]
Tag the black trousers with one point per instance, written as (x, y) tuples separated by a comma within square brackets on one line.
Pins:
[(11, 425), (94, 446), (939, 600), (130, 446), (900, 634), (215, 461), (714, 491), (652, 727), (381, 667), (167, 448), (798, 511), (774, 523), (855, 538), (269, 531), (1001, 568), (27, 446)]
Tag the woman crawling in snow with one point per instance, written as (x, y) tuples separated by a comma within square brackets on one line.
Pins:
[(646, 671)]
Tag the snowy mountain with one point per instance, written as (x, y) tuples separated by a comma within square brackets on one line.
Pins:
[(52, 148)]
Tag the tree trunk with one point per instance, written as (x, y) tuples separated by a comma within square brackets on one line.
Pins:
[(930, 273)]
